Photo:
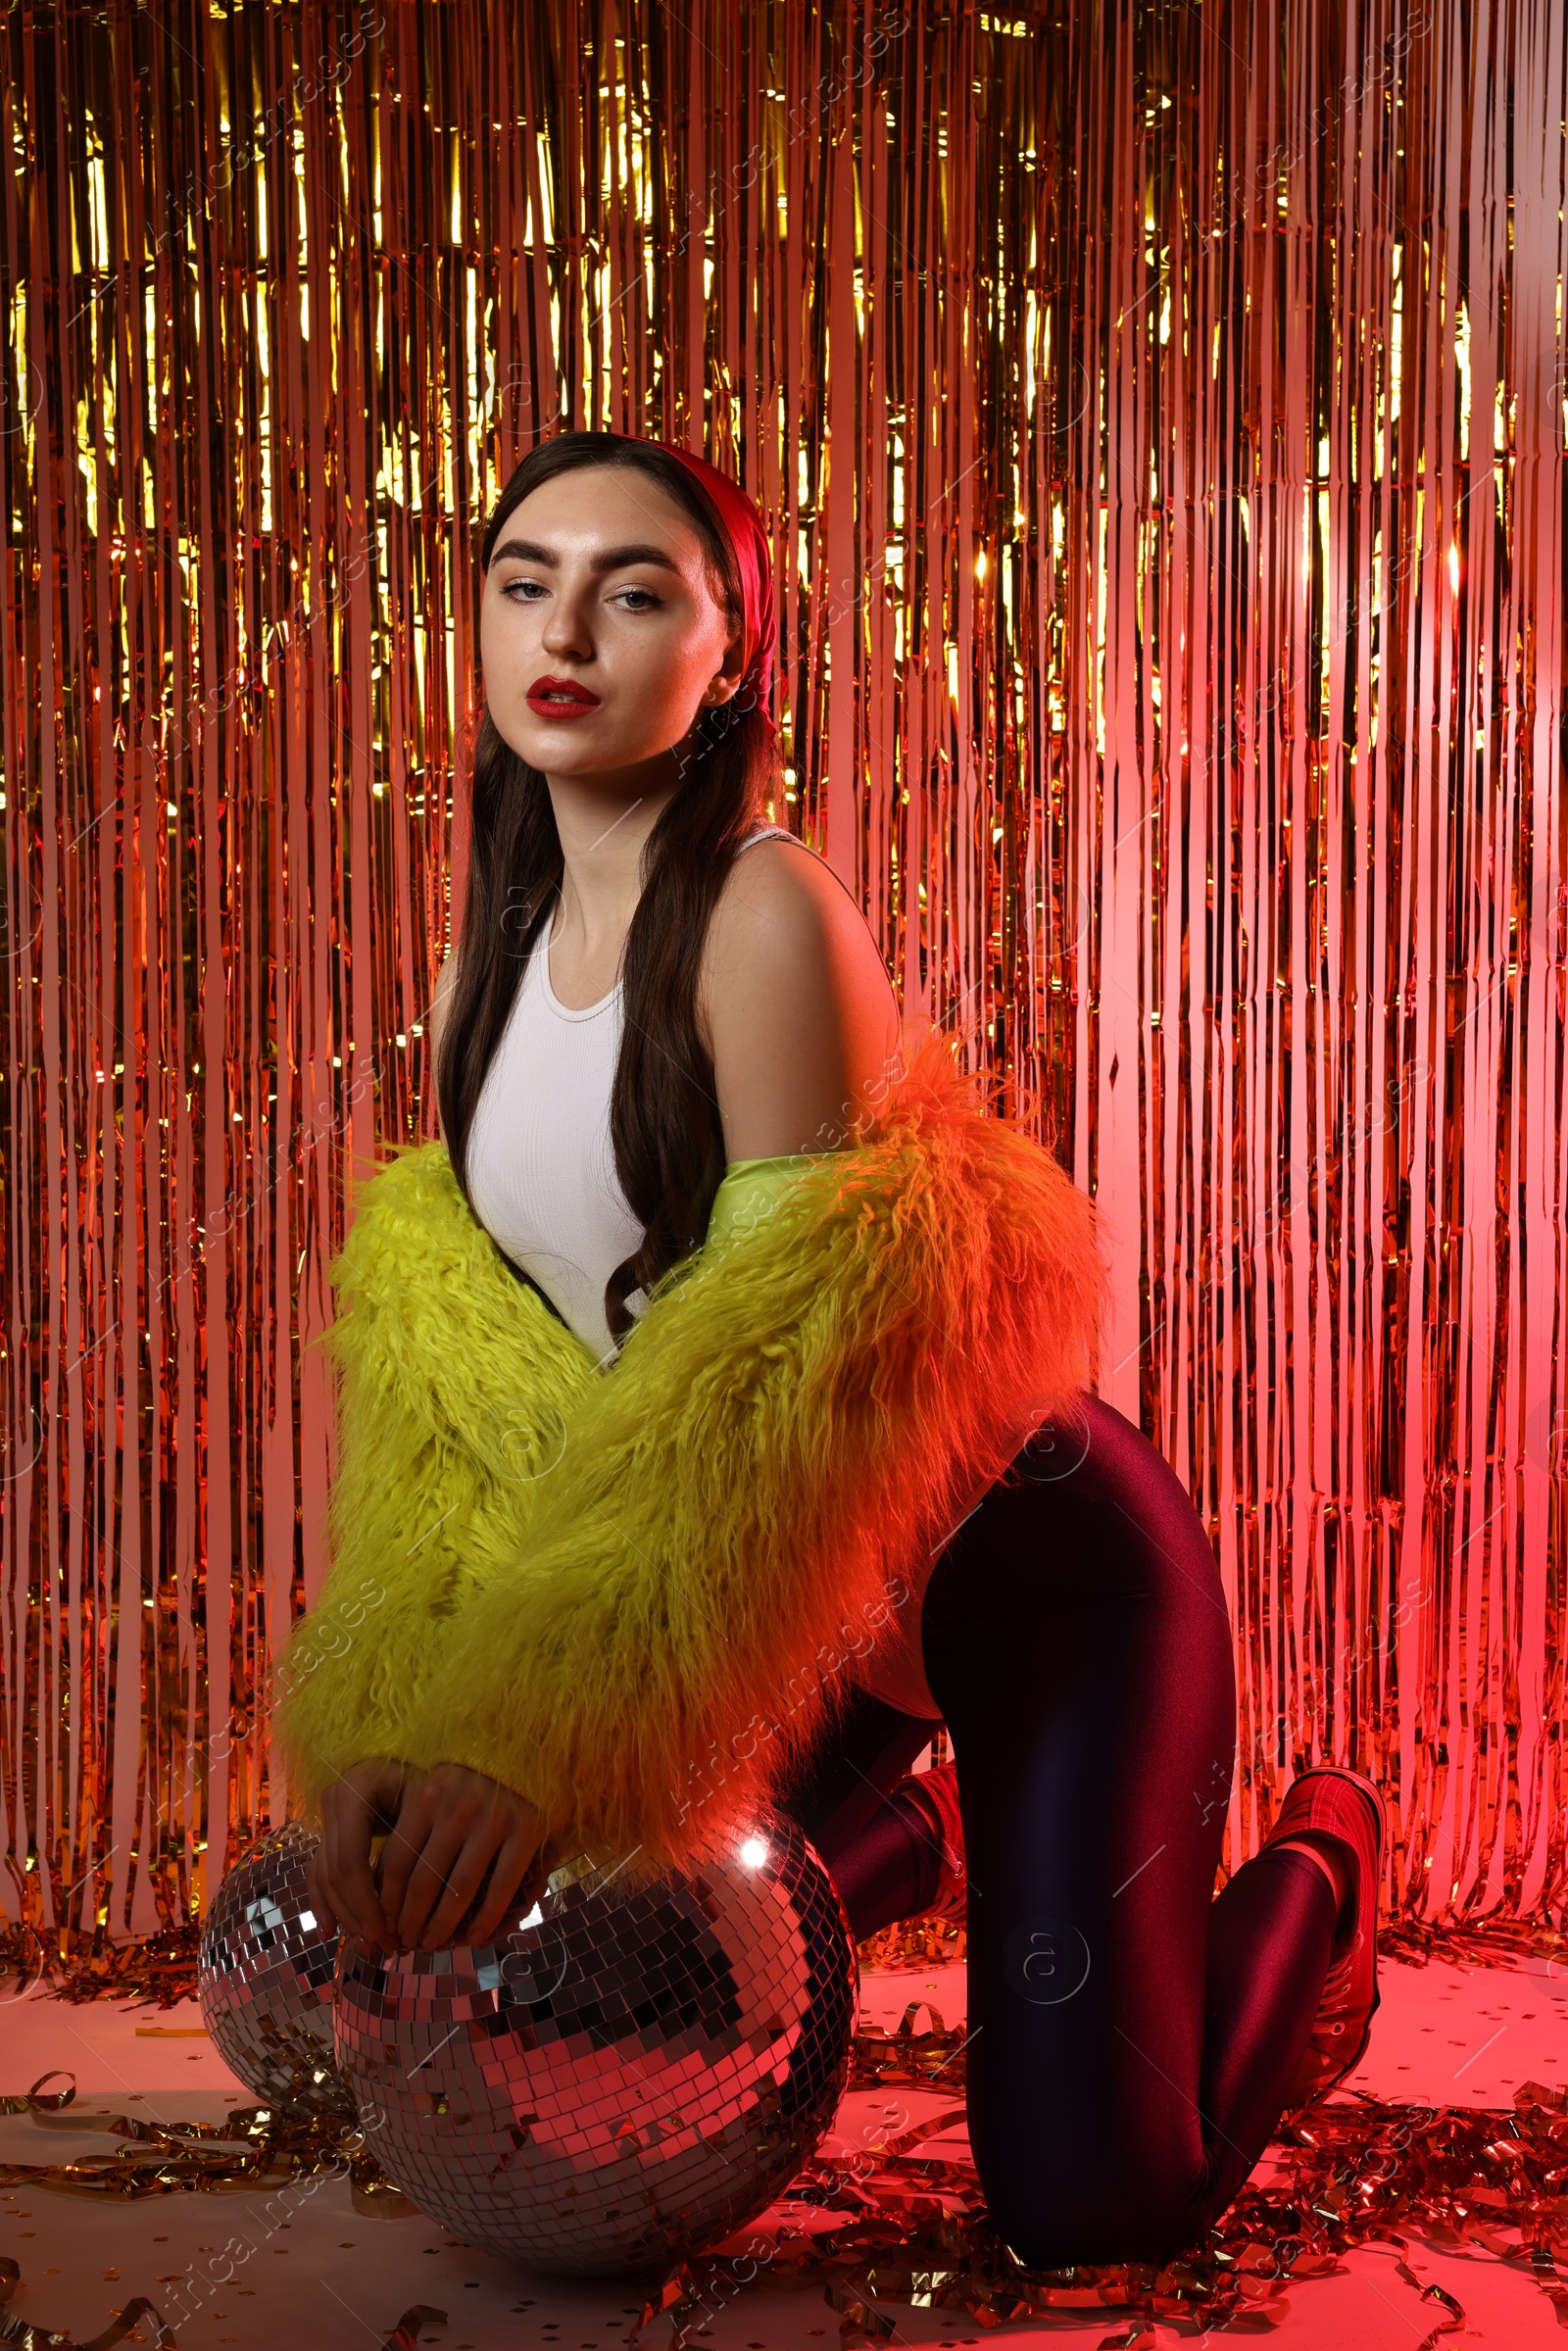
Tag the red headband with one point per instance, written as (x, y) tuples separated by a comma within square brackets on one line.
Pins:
[(754, 559)]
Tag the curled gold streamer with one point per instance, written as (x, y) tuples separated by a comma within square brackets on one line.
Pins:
[(1348, 2172), (1353, 2172), (26, 2336)]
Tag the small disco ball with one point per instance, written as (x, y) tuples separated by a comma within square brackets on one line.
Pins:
[(623, 2077), (266, 1977)]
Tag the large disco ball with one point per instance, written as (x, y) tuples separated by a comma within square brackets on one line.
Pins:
[(265, 1978), (622, 2077)]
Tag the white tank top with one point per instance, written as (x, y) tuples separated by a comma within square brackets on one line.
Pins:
[(541, 1165), (543, 1183)]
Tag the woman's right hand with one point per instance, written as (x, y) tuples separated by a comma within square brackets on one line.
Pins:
[(356, 1808)]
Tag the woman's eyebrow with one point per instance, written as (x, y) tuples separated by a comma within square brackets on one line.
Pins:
[(530, 551)]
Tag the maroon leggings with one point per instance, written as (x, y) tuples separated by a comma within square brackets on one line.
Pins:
[(1131, 2040)]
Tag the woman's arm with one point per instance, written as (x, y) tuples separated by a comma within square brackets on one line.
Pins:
[(794, 1005)]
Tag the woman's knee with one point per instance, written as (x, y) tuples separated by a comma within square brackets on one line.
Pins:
[(1073, 2211)]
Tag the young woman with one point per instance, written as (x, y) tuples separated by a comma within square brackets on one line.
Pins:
[(716, 1422)]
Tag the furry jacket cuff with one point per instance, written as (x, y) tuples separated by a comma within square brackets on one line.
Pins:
[(630, 1593)]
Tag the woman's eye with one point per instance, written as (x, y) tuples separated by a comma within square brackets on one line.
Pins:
[(648, 599), (521, 583)]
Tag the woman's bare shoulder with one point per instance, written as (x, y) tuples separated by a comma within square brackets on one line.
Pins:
[(785, 882), (781, 911), (795, 1000)]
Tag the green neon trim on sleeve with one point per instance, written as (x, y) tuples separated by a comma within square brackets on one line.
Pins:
[(749, 1190)]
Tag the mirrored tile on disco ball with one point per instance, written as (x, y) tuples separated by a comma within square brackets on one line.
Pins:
[(266, 1977), (624, 2076)]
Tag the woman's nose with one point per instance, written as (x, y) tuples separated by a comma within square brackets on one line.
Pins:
[(565, 628)]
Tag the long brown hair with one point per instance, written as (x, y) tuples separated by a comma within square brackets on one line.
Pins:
[(663, 1111)]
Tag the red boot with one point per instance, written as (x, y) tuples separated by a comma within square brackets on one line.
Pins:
[(1342, 1805), (935, 1795)]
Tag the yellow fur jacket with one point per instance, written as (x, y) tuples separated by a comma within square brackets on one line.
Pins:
[(626, 1591)]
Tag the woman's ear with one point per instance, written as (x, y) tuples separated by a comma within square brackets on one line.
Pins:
[(726, 680)]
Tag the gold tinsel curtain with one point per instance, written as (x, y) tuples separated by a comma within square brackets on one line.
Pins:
[(1160, 413)]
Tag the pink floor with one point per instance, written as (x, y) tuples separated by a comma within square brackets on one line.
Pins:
[(308, 2270)]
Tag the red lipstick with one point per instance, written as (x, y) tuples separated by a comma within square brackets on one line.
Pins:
[(561, 698)]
